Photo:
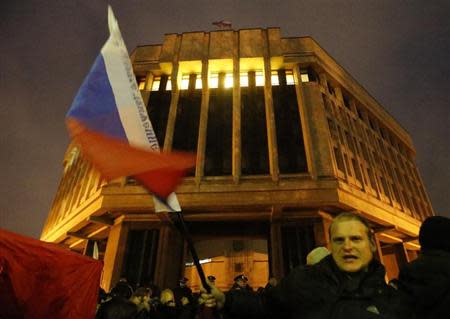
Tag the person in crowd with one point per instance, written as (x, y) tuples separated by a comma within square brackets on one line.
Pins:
[(168, 308), (184, 299), (183, 291), (212, 279), (426, 280), (241, 282), (240, 291), (208, 308), (119, 306), (141, 298), (349, 283), (316, 255)]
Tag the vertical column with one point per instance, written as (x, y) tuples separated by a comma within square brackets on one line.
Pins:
[(174, 100), (169, 257), (379, 252), (276, 256), (270, 115), (236, 134), (114, 254), (203, 125), (401, 254), (304, 119)]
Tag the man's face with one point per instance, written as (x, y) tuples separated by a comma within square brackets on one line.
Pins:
[(241, 283), (350, 245)]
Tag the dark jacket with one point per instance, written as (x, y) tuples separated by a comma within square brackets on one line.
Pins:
[(426, 282), (323, 291), (117, 308)]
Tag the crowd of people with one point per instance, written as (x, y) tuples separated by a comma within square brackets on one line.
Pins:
[(345, 282)]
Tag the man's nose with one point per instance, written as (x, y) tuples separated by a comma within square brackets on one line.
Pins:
[(348, 245)]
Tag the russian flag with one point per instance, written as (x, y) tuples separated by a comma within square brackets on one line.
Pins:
[(109, 121)]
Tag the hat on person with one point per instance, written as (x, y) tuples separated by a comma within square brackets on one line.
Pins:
[(434, 234), (240, 277), (211, 278)]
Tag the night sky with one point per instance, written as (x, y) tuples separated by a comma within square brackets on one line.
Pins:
[(399, 51)]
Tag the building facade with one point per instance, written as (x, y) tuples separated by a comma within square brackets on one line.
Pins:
[(285, 139)]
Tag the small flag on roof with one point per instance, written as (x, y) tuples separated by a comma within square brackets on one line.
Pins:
[(109, 121)]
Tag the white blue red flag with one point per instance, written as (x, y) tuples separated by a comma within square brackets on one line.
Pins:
[(109, 121)]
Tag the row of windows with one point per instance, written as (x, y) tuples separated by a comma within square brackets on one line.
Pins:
[(214, 80), (365, 157), (253, 124)]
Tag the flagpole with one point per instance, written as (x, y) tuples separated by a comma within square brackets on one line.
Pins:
[(182, 227)]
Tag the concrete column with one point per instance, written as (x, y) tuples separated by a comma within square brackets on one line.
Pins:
[(174, 100), (168, 268), (204, 109), (276, 249), (236, 125), (270, 115), (114, 254), (315, 127)]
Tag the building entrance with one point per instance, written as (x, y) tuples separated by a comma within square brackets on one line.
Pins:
[(226, 251)]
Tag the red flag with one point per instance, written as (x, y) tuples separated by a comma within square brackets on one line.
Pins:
[(158, 172), (41, 280)]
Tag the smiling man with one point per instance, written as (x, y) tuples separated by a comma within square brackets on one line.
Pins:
[(349, 283)]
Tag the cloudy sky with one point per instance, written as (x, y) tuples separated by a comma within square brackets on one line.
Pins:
[(398, 50)]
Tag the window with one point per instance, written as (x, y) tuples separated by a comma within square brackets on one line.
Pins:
[(228, 80), (169, 84), (156, 82), (184, 82), (244, 79), (214, 81), (259, 78), (255, 158), (291, 150), (141, 83), (274, 78), (158, 106), (289, 77)]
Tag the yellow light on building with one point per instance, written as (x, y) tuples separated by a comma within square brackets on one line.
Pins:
[(228, 80), (185, 82), (169, 84), (259, 78), (198, 82), (289, 77), (274, 78), (156, 82), (304, 77), (214, 81), (244, 79), (142, 84)]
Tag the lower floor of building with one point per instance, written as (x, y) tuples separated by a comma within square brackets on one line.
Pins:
[(146, 252)]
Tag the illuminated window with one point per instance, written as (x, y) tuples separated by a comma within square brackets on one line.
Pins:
[(214, 81), (141, 83), (169, 84), (244, 79), (259, 78), (228, 80), (185, 82), (304, 77), (274, 78), (289, 77), (156, 82), (198, 82)]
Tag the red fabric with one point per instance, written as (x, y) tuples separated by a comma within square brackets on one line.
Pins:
[(45, 280), (160, 173)]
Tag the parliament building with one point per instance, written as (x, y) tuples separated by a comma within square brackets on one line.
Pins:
[(285, 139)]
